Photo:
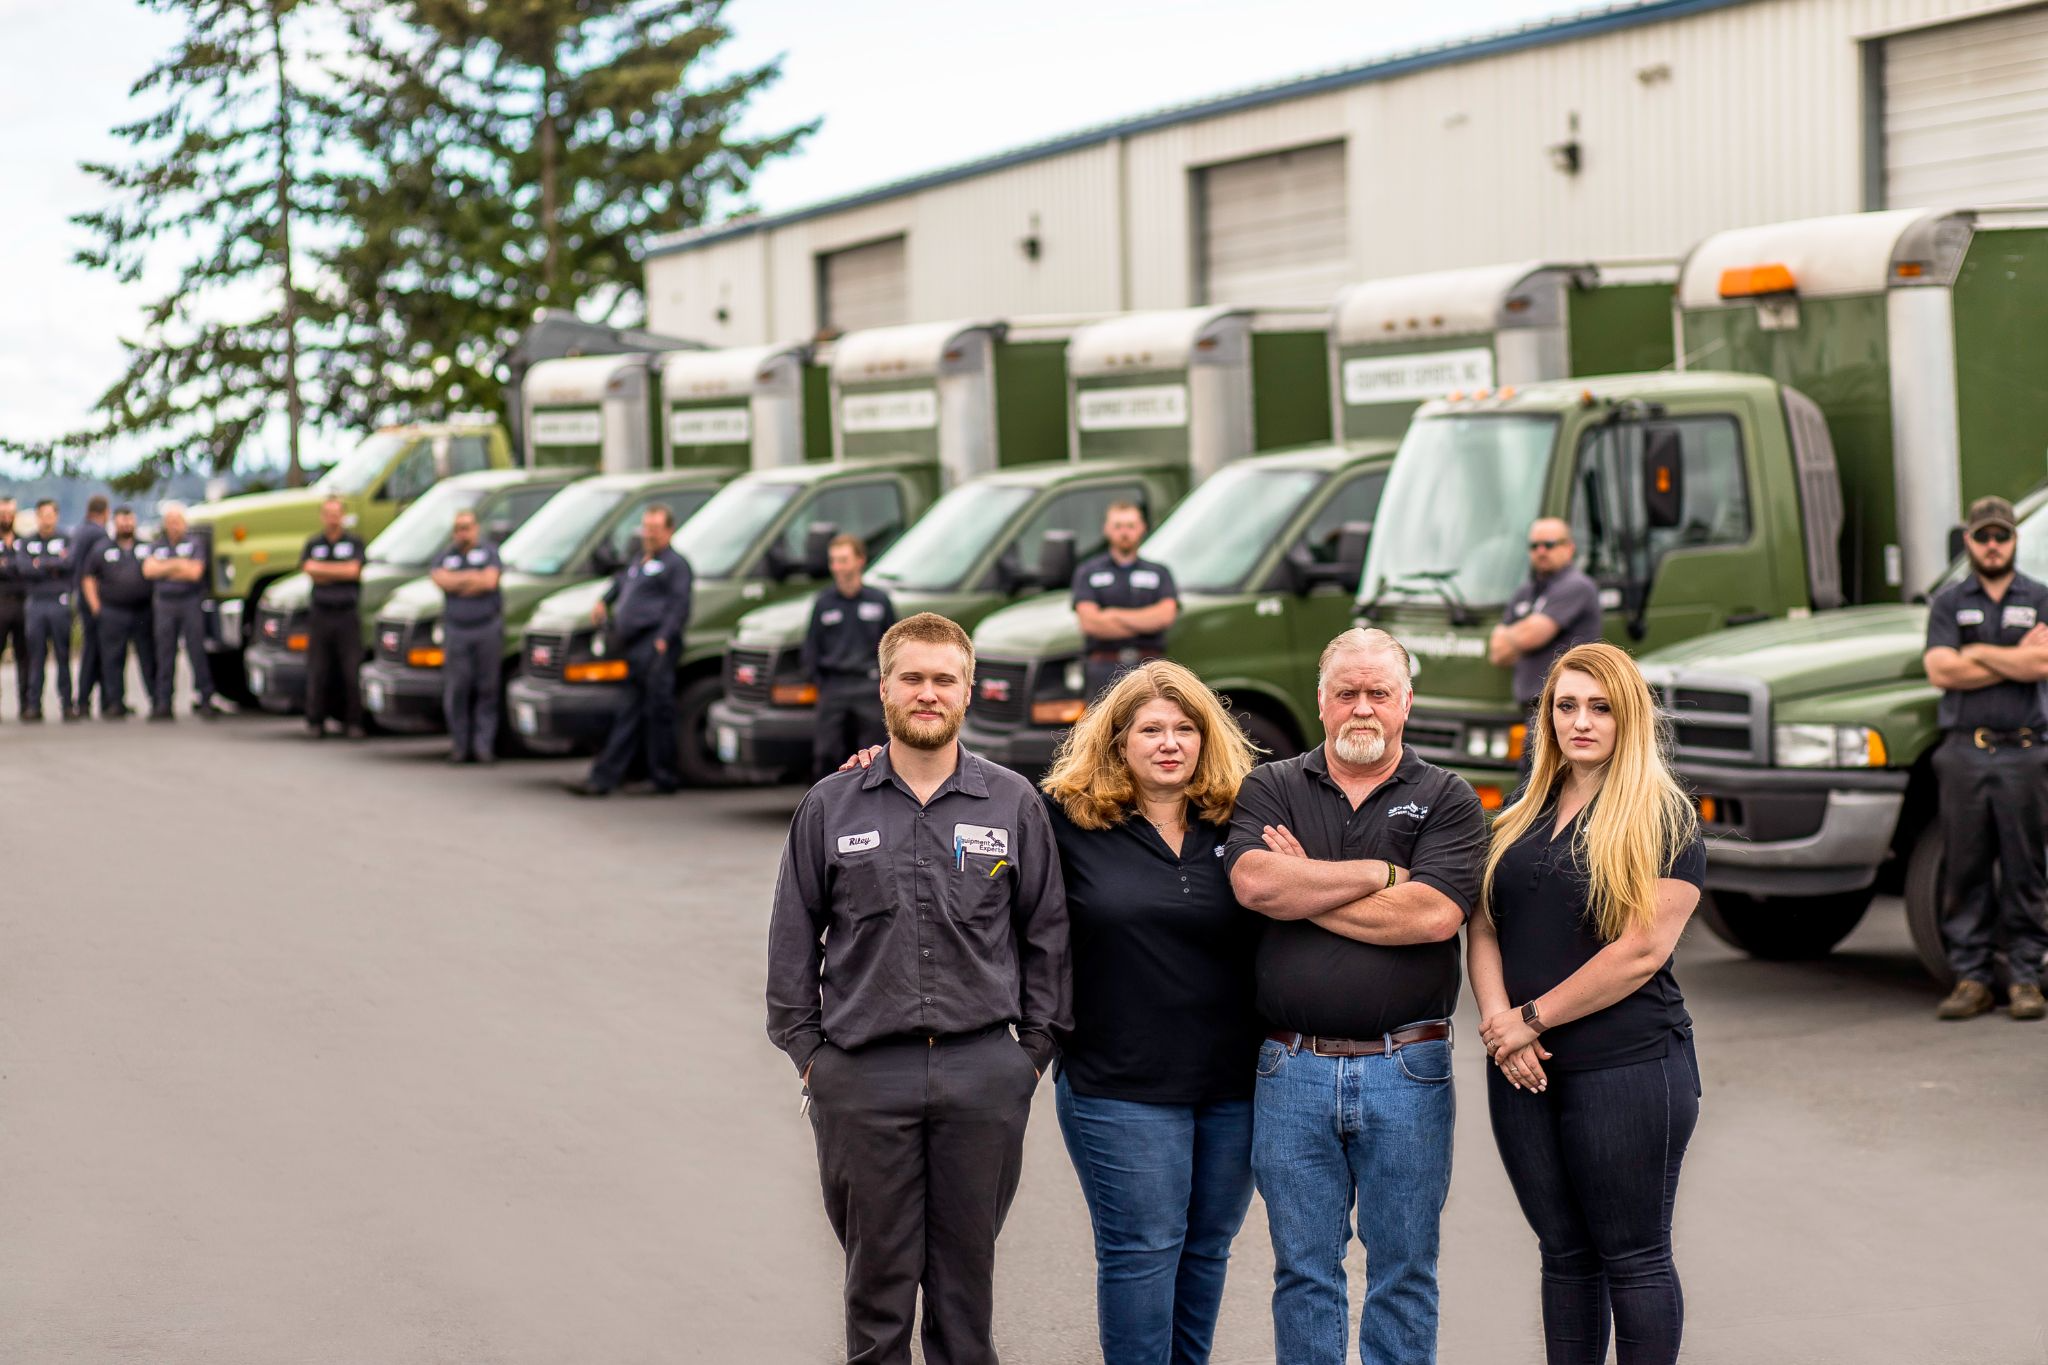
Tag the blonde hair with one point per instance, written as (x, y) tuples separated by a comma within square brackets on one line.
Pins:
[(925, 628), (1639, 817), (1090, 778)]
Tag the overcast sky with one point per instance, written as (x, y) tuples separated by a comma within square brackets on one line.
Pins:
[(903, 86)]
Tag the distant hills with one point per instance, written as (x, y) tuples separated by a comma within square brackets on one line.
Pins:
[(71, 492)]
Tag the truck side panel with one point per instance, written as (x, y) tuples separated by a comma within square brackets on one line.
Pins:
[(1620, 329), (1291, 389), (2001, 311), (1031, 401)]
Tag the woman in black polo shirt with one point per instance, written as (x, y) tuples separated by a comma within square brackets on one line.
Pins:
[(1590, 880), (1155, 1083)]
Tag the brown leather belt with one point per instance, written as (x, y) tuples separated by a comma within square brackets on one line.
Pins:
[(1361, 1047), (1985, 738), (1130, 654)]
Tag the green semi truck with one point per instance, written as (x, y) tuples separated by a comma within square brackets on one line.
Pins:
[(1154, 400), (910, 406), (503, 501), (624, 413), (1268, 552), (1808, 739)]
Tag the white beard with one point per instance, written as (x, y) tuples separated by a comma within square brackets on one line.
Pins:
[(1361, 748)]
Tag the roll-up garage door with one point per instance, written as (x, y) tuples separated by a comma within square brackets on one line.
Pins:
[(1966, 112), (863, 286), (1273, 229)]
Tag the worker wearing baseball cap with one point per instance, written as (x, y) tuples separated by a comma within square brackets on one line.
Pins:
[(1987, 650)]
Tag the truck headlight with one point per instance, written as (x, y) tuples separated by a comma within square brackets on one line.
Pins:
[(1496, 743), (439, 635), (227, 571), (598, 645), (1827, 746)]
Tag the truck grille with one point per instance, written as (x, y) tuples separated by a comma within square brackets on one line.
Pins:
[(1002, 695), (1714, 720), (1437, 743), (544, 655), (749, 673), (392, 637)]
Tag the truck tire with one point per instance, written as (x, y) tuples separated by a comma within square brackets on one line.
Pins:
[(1783, 928), (696, 752), (1269, 741), (231, 679), (1924, 902)]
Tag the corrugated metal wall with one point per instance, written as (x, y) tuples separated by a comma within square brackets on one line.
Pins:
[(1749, 114)]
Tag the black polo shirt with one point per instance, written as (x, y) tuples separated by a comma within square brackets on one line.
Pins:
[(650, 599), (1964, 614), (1421, 818), (895, 920), (472, 609), (1164, 1005), (48, 565), (1140, 583), (1541, 897), (345, 548), (118, 567), (845, 634), (172, 591)]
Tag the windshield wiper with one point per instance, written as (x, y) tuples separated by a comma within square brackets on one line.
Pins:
[(1445, 583)]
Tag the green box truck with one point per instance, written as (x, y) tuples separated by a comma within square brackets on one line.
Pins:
[(1267, 553), (907, 403), (1153, 401), (1808, 739)]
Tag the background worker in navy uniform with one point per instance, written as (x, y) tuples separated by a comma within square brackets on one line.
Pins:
[(645, 611), (117, 595), (1987, 650), (333, 559), (919, 915), (46, 557), (1124, 603), (13, 601), (1555, 610), (848, 620), (176, 565), (473, 647), (87, 539)]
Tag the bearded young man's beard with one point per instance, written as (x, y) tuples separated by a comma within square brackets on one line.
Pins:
[(2004, 570), (1361, 747), (921, 734)]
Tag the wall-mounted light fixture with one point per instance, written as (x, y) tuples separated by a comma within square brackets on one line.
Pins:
[(1567, 155), (1030, 244)]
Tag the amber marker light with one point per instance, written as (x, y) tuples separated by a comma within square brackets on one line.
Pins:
[(424, 658), (603, 670), (793, 694), (1064, 712)]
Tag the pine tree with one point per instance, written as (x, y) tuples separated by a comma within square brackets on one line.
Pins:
[(223, 181), (525, 152)]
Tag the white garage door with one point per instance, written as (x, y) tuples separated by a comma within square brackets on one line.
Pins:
[(1273, 228), (1966, 112), (863, 286)]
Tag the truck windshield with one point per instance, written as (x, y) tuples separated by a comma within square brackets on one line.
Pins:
[(1215, 538), (2032, 557), (727, 526), (553, 535), (357, 472), (935, 554), (419, 532), (1455, 519)]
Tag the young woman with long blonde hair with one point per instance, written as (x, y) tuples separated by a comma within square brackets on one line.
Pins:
[(1590, 880)]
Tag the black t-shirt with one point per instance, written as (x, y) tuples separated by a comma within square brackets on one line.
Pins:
[(1540, 911), (474, 609), (118, 567), (1422, 818), (1164, 1010), (1964, 614), (1140, 583), (343, 549), (845, 633)]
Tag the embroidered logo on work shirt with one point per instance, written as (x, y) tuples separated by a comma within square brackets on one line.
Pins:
[(1144, 578), (1101, 580), (985, 841), (1970, 616), (871, 611), (831, 618), (1411, 810), (2019, 618), (860, 843)]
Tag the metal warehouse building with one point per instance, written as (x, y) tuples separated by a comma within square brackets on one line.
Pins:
[(1630, 131)]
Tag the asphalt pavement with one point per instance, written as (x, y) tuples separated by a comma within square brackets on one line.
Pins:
[(328, 1052)]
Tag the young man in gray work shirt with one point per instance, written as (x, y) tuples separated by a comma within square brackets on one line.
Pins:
[(919, 914)]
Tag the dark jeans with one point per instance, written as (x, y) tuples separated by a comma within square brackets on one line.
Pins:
[(175, 619), (469, 686), (334, 661), (646, 724), (14, 630), (1594, 1162), (1167, 1187), (49, 631), (121, 627), (849, 718), (1994, 805), (89, 676), (919, 1150)]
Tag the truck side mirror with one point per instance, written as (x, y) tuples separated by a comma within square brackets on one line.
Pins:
[(498, 528), (604, 559), (1956, 547), (1663, 477), (1351, 545), (1056, 560), (818, 549)]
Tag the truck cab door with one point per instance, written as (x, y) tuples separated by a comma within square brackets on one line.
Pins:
[(1317, 604)]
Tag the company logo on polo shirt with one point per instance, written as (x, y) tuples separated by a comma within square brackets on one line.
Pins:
[(1219, 850), (1411, 810), (860, 843), (2018, 618)]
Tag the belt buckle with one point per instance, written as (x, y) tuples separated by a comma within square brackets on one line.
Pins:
[(1977, 738)]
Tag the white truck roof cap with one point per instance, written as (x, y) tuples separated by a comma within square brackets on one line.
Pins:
[(733, 373), (1138, 343), (1443, 302), (912, 351), (1847, 253), (578, 379)]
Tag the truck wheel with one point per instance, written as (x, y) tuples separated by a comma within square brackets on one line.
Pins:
[(696, 751), (1924, 901), (1269, 740), (1783, 928), (231, 679)]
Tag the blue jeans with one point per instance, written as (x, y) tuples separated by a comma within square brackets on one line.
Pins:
[(1331, 1132), (1167, 1187), (1594, 1161)]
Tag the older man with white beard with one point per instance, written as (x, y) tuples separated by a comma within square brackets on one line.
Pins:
[(1366, 860), (918, 918)]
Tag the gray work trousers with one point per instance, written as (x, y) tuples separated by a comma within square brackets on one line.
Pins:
[(471, 656), (49, 631)]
